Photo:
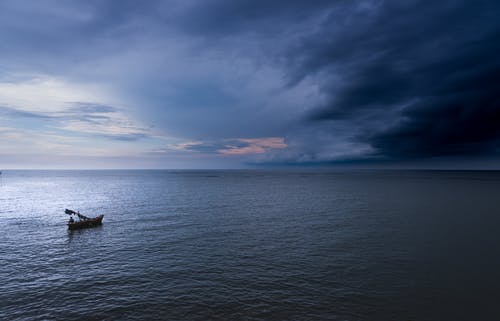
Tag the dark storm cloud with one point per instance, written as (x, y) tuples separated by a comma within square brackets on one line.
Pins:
[(412, 79), (230, 18), (420, 77)]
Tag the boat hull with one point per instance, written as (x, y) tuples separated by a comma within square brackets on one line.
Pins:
[(93, 222)]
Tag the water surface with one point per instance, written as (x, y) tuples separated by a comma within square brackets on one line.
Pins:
[(251, 245)]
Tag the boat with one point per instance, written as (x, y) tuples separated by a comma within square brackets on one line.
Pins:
[(83, 221)]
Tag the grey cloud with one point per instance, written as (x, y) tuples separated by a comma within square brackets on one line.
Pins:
[(14, 112), (213, 147), (418, 77), (217, 18), (86, 107), (84, 118)]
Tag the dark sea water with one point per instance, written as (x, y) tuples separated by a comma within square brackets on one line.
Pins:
[(251, 245)]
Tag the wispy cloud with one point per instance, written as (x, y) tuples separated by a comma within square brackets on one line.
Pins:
[(249, 146), (54, 102), (39, 93), (101, 120), (234, 146), (10, 112)]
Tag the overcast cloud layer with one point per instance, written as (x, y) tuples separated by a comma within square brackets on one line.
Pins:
[(214, 83)]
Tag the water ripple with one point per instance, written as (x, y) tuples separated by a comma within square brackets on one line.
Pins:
[(246, 245)]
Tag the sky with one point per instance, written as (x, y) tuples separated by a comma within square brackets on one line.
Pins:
[(249, 83)]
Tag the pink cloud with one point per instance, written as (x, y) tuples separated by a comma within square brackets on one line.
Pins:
[(255, 146)]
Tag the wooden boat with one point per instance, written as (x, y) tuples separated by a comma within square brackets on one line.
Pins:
[(84, 221), (91, 222)]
